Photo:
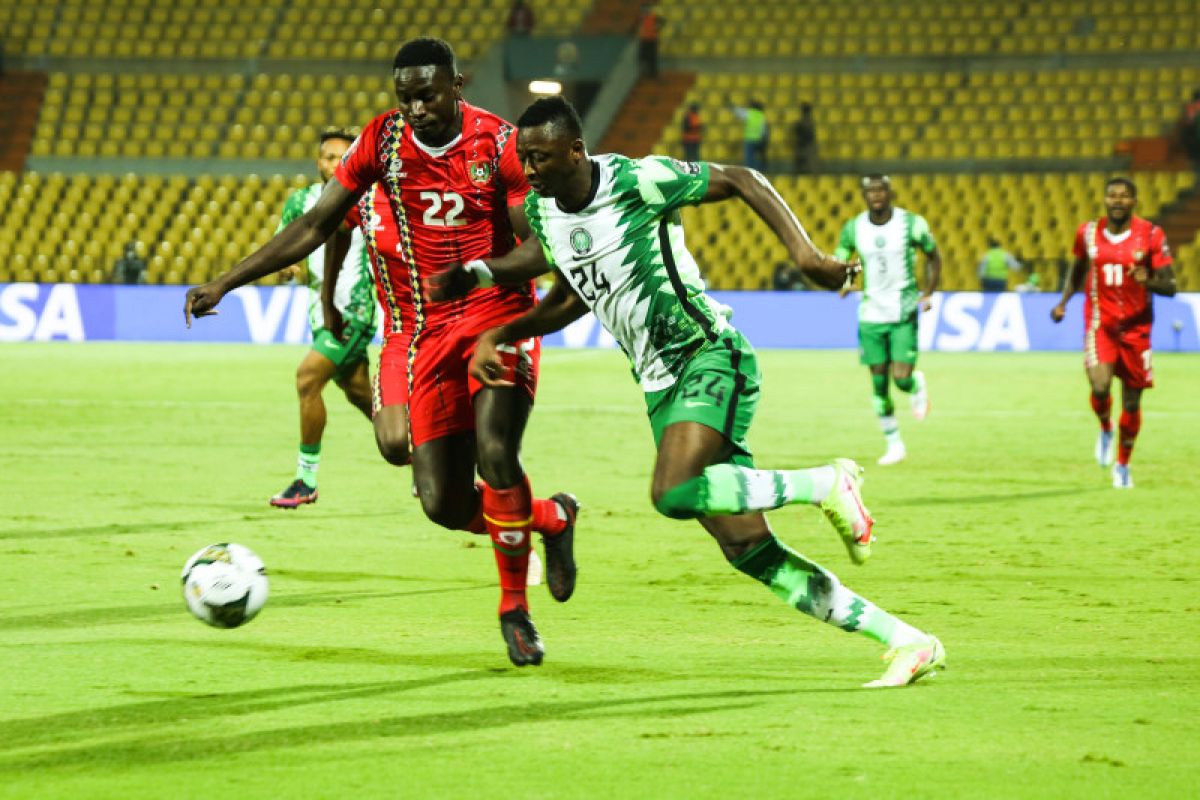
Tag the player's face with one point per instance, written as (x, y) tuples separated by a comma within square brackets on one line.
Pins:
[(330, 156), (428, 99), (549, 158), (878, 195), (1119, 202)]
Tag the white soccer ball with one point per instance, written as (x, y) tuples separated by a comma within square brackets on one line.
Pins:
[(224, 585)]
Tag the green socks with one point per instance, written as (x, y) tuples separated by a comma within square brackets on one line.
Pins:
[(810, 588), (730, 489), (310, 460), (880, 397)]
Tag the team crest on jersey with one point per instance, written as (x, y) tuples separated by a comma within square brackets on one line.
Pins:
[(581, 241), (880, 242), (480, 172)]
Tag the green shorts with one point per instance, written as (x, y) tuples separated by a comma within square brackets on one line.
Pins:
[(347, 353), (884, 342), (719, 388)]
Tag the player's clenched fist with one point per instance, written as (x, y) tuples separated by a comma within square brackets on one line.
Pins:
[(202, 301), (1058, 312), (486, 365), (450, 282)]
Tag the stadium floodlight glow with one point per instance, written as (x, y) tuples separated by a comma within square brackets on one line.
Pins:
[(545, 87)]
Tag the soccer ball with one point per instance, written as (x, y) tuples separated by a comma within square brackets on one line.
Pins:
[(224, 585)]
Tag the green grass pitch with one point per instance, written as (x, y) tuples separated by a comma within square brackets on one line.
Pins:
[(1069, 610)]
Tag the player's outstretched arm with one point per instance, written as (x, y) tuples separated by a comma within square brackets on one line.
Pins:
[(933, 271), (558, 309), (292, 244), (757, 192), (518, 266), (336, 250), (1070, 287)]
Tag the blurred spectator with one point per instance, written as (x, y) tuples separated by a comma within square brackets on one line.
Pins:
[(995, 266), (693, 133), (649, 25), (1190, 131), (130, 268), (755, 134), (804, 137), (520, 19)]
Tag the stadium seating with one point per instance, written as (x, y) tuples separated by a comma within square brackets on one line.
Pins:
[(72, 228), (939, 116), (1034, 214), (814, 28)]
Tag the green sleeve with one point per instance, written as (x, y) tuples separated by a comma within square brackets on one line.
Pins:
[(846, 244), (666, 184), (533, 212), (293, 209), (922, 239)]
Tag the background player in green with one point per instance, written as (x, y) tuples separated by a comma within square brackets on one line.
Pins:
[(342, 317), (886, 239), (610, 226)]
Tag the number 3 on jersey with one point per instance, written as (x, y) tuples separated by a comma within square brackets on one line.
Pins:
[(451, 202)]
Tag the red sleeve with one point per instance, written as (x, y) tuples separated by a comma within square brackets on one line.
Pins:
[(361, 166), (512, 174), (1160, 251), (1080, 244)]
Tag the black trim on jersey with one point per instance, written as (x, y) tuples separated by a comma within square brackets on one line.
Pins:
[(591, 194), (739, 386), (664, 241)]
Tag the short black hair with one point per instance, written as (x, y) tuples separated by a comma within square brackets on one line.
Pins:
[(425, 51), (334, 132), (555, 110), (1128, 184)]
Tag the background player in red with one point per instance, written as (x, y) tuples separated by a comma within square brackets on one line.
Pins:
[(1121, 259), (455, 190)]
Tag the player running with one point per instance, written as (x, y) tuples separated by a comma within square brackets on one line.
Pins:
[(342, 326), (610, 227), (455, 191), (886, 239), (1124, 259)]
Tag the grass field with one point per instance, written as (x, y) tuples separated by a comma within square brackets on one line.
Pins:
[(1069, 610)]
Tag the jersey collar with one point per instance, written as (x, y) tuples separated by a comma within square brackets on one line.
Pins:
[(591, 193)]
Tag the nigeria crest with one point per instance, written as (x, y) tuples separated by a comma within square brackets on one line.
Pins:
[(581, 241)]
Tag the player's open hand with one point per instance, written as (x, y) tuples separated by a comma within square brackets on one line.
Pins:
[(1058, 312), (450, 282), (486, 364), (201, 301)]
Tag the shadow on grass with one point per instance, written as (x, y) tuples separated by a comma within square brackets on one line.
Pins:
[(167, 746), (243, 514), (171, 606), (998, 497)]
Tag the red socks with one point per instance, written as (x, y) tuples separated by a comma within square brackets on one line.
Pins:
[(1103, 408), (1129, 427), (508, 515)]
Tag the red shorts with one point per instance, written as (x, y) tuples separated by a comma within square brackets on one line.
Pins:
[(1128, 350), (441, 391)]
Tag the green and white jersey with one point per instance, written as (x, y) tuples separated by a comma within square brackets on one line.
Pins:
[(354, 294), (889, 255), (625, 257)]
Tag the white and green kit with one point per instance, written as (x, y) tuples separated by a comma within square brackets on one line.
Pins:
[(353, 296)]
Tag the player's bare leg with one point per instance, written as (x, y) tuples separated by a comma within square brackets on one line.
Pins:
[(1100, 377), (1131, 423), (313, 373), (911, 380), (747, 542), (356, 385), (444, 473), (512, 513), (886, 411), (694, 477), (391, 434)]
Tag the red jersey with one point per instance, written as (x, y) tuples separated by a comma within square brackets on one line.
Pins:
[(1114, 298), (435, 206)]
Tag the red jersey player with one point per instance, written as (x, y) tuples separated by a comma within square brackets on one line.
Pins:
[(455, 192), (1121, 259)]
